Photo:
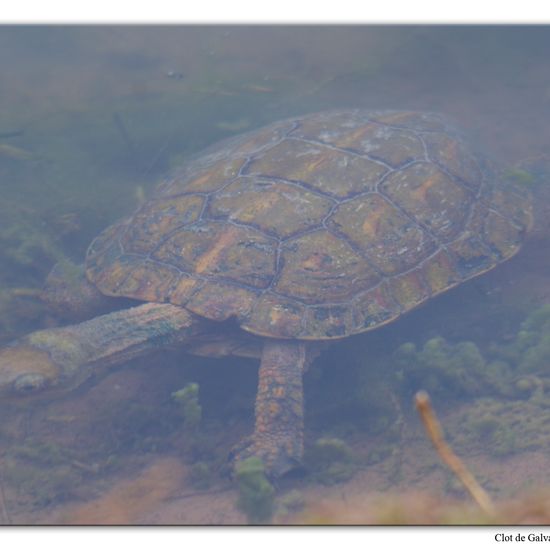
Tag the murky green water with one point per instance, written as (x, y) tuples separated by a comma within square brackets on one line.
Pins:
[(91, 118)]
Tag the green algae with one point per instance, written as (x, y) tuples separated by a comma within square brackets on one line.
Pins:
[(43, 486), (327, 450), (256, 494), (329, 461), (529, 351), (42, 471), (25, 245), (288, 504), (128, 427), (41, 452), (501, 427), (500, 387), (27, 250), (201, 476), (441, 367), (517, 366), (520, 176), (188, 399)]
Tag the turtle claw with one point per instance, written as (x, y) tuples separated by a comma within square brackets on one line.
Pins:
[(278, 459)]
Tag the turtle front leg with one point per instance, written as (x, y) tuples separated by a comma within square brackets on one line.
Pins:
[(279, 428)]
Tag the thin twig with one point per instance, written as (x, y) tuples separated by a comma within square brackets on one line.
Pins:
[(427, 414)]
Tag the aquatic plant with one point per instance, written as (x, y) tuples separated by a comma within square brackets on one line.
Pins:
[(451, 369), (41, 452), (503, 427), (516, 369), (42, 471), (134, 426), (201, 476), (289, 503), (25, 245), (440, 366), (188, 399), (520, 176), (42, 485), (256, 494), (329, 461), (531, 347)]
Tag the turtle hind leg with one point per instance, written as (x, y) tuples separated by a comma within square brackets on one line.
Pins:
[(279, 428)]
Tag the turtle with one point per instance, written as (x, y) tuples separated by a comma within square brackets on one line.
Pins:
[(273, 243)]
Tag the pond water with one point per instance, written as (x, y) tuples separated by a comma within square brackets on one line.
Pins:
[(91, 120)]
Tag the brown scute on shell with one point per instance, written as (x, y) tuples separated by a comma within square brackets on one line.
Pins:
[(323, 169), (160, 217), (219, 301), (393, 146), (276, 315), (317, 227), (320, 265), (275, 208), (390, 238), (373, 308), (213, 249), (430, 197)]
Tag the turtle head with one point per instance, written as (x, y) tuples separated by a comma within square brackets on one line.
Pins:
[(26, 372)]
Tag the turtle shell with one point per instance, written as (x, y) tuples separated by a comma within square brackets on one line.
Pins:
[(316, 227)]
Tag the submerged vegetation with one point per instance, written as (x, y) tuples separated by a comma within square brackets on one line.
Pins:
[(256, 494), (329, 461), (506, 387), (516, 368), (188, 399), (529, 351), (520, 176), (497, 391), (444, 368), (43, 472)]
